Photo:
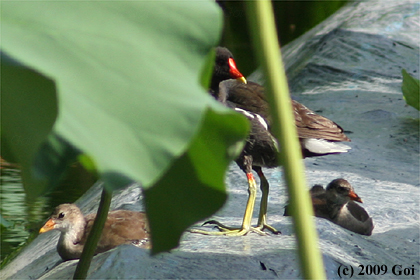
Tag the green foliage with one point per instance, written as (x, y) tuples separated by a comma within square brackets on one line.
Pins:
[(127, 76), (28, 112), (411, 90), (293, 18), (4, 223), (94, 236), (199, 193), (87, 163), (262, 26), (207, 71)]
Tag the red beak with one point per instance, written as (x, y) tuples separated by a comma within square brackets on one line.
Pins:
[(355, 197), (234, 72)]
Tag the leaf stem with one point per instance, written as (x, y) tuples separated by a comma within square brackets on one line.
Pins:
[(264, 37), (94, 236)]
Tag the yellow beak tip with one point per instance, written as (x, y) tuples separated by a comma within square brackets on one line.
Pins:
[(242, 79)]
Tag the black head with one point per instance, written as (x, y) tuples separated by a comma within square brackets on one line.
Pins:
[(224, 68)]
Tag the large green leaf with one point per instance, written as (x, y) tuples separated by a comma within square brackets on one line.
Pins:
[(129, 97), (178, 199), (127, 74), (28, 112), (411, 90)]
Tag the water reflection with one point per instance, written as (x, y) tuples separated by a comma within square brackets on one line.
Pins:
[(22, 215), (26, 217)]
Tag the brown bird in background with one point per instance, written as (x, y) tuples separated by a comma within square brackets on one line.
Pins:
[(336, 204), (121, 227)]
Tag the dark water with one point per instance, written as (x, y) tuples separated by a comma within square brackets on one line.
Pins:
[(22, 215)]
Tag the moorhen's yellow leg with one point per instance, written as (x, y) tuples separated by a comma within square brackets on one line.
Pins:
[(246, 223), (262, 217)]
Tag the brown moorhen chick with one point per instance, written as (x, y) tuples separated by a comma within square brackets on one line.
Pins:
[(318, 136), (337, 205), (121, 227)]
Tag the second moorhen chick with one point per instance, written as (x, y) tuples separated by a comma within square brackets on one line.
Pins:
[(121, 227), (318, 135), (336, 204)]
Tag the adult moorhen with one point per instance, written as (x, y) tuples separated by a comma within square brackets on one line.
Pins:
[(224, 69), (318, 136), (121, 227), (337, 205)]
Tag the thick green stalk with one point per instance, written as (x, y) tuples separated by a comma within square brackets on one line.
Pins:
[(93, 238), (264, 36)]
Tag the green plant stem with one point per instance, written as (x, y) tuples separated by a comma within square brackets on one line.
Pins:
[(93, 238), (264, 37)]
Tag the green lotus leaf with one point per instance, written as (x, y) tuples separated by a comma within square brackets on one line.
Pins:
[(122, 87), (411, 90)]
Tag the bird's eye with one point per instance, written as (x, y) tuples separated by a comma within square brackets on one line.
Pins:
[(61, 215), (220, 62), (341, 189)]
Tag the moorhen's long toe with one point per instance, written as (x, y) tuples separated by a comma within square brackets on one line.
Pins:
[(336, 204), (121, 227), (318, 136)]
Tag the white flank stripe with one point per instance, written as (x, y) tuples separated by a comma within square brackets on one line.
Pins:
[(252, 116)]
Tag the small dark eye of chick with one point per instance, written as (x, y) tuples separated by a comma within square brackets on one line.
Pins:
[(342, 189), (61, 215)]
